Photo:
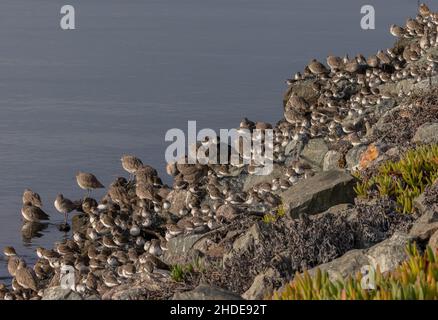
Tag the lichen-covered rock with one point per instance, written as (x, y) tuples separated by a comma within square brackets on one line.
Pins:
[(314, 152), (319, 193), (349, 264), (250, 238), (433, 241), (427, 224), (354, 155), (253, 180), (389, 253), (179, 248), (332, 160), (262, 285), (427, 133)]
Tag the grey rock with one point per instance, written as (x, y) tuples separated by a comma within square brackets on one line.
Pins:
[(331, 160), (252, 180), (433, 241), (179, 248), (250, 238), (427, 133), (389, 253), (349, 264), (58, 293), (290, 147), (352, 157), (427, 224), (263, 284), (314, 152), (319, 193), (206, 292)]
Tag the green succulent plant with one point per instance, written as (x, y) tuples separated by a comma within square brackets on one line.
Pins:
[(415, 279), (405, 179), (274, 216), (180, 272)]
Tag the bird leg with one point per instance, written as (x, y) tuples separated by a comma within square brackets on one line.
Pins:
[(65, 218)]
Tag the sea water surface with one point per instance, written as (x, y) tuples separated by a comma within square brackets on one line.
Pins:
[(78, 100)]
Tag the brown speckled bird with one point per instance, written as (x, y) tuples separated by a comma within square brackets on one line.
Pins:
[(32, 197), (88, 181)]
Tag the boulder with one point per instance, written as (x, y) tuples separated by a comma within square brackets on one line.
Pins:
[(353, 156), (427, 224), (349, 264), (59, 293), (433, 241), (263, 284), (389, 253), (314, 152), (253, 180), (250, 238), (426, 133), (206, 292), (319, 193), (179, 248), (290, 147), (331, 160)]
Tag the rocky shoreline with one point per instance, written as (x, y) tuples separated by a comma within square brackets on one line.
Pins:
[(221, 232)]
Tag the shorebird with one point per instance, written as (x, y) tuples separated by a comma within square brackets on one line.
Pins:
[(423, 9), (64, 206), (13, 260), (131, 164), (26, 277), (397, 31), (335, 63), (317, 68), (33, 214), (88, 181), (32, 197), (147, 192)]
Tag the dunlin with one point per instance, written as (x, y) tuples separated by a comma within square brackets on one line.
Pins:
[(88, 181), (33, 214), (32, 197), (13, 265), (26, 277), (335, 63), (317, 67), (424, 10), (131, 164)]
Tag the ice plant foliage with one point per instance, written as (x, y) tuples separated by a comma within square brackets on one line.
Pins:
[(416, 278), (405, 179)]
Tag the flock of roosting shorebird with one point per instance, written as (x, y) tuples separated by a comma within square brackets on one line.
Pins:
[(127, 231)]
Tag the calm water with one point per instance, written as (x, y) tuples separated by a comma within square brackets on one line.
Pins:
[(133, 69)]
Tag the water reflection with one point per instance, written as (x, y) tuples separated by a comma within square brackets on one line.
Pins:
[(30, 230)]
